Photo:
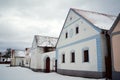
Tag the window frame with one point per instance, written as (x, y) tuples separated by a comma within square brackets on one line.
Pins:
[(72, 57), (77, 30), (66, 35), (63, 58), (71, 18), (88, 56)]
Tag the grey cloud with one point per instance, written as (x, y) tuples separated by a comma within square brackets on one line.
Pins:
[(21, 3), (7, 31), (20, 20), (103, 6), (14, 45)]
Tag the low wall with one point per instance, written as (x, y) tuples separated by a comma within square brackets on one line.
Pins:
[(5, 62)]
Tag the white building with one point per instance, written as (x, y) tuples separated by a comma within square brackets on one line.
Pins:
[(17, 58), (27, 58), (82, 47), (48, 61), (2, 58), (42, 53), (115, 48)]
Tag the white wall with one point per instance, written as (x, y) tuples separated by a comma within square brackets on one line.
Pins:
[(73, 16), (2, 58), (67, 45), (35, 59), (38, 59), (79, 64), (85, 31), (51, 55), (27, 60), (104, 50), (18, 61)]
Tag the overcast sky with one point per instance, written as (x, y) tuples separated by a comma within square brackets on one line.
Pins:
[(20, 20)]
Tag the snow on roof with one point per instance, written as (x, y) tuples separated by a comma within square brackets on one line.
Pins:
[(46, 41), (100, 20), (19, 53)]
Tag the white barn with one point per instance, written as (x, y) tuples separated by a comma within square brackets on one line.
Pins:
[(43, 53), (81, 48), (17, 58)]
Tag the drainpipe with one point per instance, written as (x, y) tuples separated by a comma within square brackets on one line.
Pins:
[(109, 63)]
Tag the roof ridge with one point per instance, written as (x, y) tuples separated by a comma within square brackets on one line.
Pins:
[(45, 36), (95, 18), (108, 15)]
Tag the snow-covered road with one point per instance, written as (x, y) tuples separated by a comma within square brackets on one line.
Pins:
[(19, 73)]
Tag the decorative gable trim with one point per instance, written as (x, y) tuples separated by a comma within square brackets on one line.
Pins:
[(96, 28), (66, 18), (79, 41), (72, 23)]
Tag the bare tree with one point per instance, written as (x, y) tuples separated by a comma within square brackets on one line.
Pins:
[(8, 53)]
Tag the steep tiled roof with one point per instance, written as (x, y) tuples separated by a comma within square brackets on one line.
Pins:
[(46, 41), (100, 20)]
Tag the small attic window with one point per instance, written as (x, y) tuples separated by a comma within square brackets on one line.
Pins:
[(66, 35), (70, 18), (77, 29)]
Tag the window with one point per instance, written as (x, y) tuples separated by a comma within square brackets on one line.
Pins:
[(70, 18), (72, 57), (86, 56), (63, 58), (66, 35), (77, 30)]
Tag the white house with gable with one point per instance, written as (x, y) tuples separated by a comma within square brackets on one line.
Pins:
[(17, 58), (43, 53), (81, 48)]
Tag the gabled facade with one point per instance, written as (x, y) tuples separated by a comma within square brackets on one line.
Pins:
[(17, 58), (81, 48), (43, 53), (115, 48)]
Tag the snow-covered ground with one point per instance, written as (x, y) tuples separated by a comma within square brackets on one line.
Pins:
[(20, 73)]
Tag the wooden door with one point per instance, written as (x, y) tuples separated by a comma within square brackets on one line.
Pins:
[(47, 65)]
